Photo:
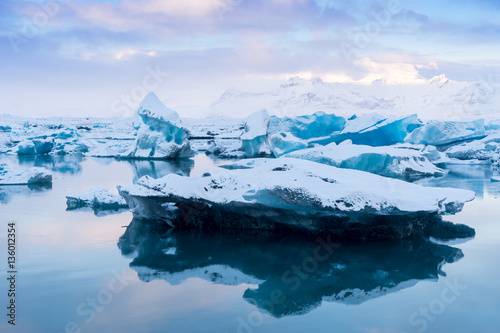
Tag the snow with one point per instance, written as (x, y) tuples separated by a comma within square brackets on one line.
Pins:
[(286, 192), (438, 133), (436, 98), (9, 176), (160, 135), (385, 161), (254, 141), (96, 198)]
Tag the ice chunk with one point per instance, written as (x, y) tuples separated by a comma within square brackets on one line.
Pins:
[(434, 155), (290, 193), (484, 149), (10, 176), (385, 161), (493, 125), (161, 135), (375, 130), (254, 141), (319, 124), (35, 146), (438, 133), (495, 179), (96, 198), (283, 143)]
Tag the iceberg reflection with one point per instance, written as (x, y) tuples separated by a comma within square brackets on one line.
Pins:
[(290, 273)]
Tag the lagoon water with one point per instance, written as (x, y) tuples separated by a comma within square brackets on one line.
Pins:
[(81, 271)]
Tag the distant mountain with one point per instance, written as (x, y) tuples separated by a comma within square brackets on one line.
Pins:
[(437, 98)]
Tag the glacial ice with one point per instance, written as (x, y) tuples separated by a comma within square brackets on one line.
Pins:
[(283, 143), (375, 130), (385, 161), (487, 148), (35, 146), (439, 133), (161, 135), (96, 198), (319, 124), (9, 176), (291, 193), (254, 140)]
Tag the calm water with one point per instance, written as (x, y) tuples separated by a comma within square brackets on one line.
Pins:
[(85, 271)]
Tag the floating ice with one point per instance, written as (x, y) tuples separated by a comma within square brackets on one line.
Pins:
[(35, 146), (438, 133), (495, 179), (291, 193), (319, 124), (96, 198), (375, 130), (385, 161), (161, 135), (283, 143), (254, 141), (10, 176), (484, 149)]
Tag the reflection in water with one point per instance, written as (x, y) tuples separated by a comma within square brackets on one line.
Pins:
[(67, 164), (292, 273), (7, 192), (158, 169), (469, 177)]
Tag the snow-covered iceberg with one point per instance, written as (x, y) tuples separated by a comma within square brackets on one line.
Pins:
[(292, 193), (385, 161), (487, 148), (161, 135), (97, 199), (439, 133), (9, 176), (254, 141)]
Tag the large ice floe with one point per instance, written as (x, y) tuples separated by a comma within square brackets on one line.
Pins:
[(385, 161), (439, 133), (288, 193), (161, 134), (9, 176)]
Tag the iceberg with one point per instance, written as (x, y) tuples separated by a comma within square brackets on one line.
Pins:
[(439, 133), (160, 135), (9, 176), (434, 155), (283, 143), (96, 198), (376, 130), (35, 146), (254, 139), (319, 124), (385, 161), (289, 193), (487, 148)]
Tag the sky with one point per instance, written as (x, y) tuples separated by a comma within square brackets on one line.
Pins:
[(100, 57)]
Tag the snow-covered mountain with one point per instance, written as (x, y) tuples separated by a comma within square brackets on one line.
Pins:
[(437, 98)]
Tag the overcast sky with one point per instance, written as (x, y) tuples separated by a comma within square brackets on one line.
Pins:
[(96, 58)]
